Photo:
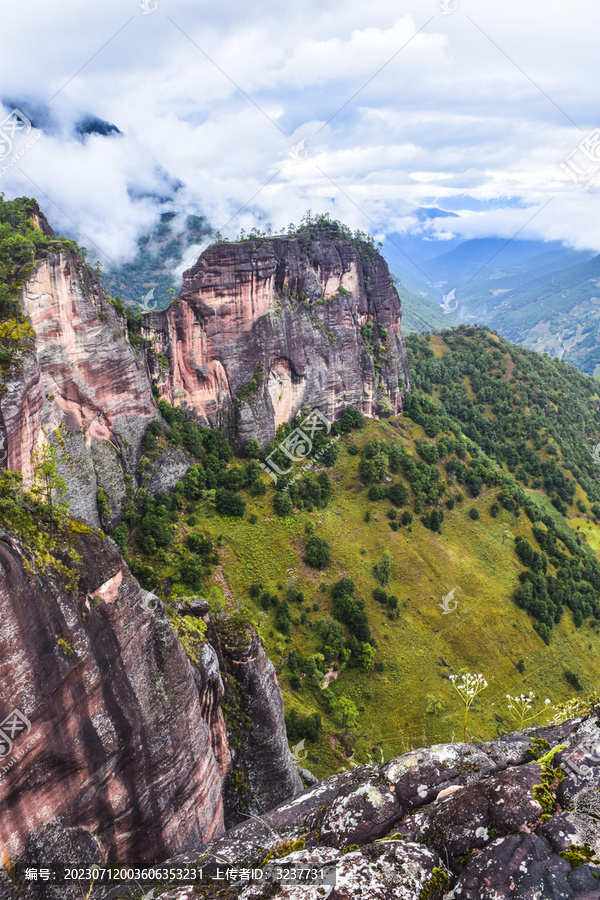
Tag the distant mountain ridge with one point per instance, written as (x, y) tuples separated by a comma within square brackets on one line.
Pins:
[(541, 295)]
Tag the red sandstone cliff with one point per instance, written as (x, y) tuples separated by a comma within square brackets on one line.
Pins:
[(290, 319), (82, 387), (262, 330), (107, 727), (118, 744)]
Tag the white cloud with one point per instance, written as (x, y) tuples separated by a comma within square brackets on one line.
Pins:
[(449, 115)]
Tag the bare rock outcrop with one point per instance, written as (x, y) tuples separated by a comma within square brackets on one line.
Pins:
[(81, 387), (263, 773), (518, 817), (264, 329), (246, 715), (103, 727)]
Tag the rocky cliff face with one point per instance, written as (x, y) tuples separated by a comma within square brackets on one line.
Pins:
[(262, 773), (263, 329), (81, 387), (117, 743), (107, 729), (246, 716)]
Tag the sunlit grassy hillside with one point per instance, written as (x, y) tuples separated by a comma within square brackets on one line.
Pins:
[(497, 440)]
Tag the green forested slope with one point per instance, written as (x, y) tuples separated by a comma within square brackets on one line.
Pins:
[(485, 487)]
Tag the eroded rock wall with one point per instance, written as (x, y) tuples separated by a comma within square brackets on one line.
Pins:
[(246, 715), (262, 330), (110, 730), (118, 743), (263, 773), (288, 318), (82, 388)]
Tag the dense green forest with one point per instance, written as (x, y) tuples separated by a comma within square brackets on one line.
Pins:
[(536, 418)]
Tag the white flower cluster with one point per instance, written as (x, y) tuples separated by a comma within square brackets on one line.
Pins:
[(469, 685), (523, 701), (520, 706)]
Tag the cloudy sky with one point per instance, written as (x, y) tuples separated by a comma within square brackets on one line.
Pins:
[(252, 113)]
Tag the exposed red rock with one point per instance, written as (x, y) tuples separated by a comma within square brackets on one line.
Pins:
[(291, 320), (109, 729), (118, 744), (276, 319), (83, 387)]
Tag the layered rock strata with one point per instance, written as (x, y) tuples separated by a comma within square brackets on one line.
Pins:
[(81, 387), (264, 329), (108, 728)]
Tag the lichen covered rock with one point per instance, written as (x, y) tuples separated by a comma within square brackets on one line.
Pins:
[(465, 823)]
